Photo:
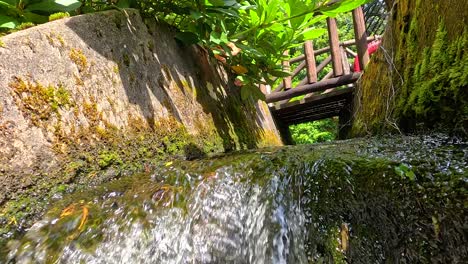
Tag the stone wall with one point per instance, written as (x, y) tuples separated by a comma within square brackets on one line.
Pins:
[(418, 79), (92, 97)]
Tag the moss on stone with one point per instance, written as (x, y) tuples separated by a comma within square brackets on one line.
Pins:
[(416, 81), (39, 102), (435, 92), (59, 15), (77, 56)]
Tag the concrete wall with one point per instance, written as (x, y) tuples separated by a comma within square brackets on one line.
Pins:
[(87, 94)]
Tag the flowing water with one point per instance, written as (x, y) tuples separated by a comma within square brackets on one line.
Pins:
[(389, 200)]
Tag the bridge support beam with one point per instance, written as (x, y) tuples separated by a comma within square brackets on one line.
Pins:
[(345, 118), (285, 133)]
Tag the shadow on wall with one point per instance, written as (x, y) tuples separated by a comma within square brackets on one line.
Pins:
[(152, 65)]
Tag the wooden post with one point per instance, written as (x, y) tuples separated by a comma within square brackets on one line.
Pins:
[(314, 87), (361, 37), (334, 46), (346, 68), (344, 60), (287, 81), (310, 61)]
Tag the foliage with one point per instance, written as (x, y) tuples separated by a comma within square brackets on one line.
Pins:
[(59, 15), (316, 131), (16, 12), (249, 37), (439, 81)]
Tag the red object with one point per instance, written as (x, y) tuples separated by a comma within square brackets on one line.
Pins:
[(371, 48)]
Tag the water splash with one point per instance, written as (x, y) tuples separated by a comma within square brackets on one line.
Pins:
[(340, 202)]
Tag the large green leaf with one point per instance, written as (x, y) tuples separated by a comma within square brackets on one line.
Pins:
[(280, 74), (35, 18), (253, 18), (9, 3), (51, 6), (342, 7), (313, 33), (8, 22), (187, 37)]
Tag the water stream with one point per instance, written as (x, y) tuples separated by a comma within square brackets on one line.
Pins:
[(388, 200)]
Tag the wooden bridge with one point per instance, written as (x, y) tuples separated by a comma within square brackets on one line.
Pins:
[(330, 96)]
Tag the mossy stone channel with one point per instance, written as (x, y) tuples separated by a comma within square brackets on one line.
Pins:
[(385, 200)]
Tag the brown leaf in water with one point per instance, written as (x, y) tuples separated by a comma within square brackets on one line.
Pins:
[(84, 216), (67, 211)]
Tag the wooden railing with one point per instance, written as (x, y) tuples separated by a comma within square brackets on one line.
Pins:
[(340, 74)]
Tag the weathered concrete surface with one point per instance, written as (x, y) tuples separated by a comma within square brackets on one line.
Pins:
[(108, 85)]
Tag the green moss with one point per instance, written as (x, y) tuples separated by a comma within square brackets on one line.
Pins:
[(126, 59), (24, 25), (420, 85), (77, 56), (59, 15), (2, 44), (108, 158), (38, 101), (436, 88)]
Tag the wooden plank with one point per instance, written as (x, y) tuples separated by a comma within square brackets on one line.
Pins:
[(310, 61), (320, 99), (313, 110), (311, 118), (308, 88), (323, 64), (347, 43), (287, 81), (351, 53), (328, 76), (360, 36), (296, 71), (334, 46), (344, 61)]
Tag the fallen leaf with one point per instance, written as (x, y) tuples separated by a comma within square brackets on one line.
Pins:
[(13, 221), (220, 58), (239, 69), (84, 216), (234, 49), (68, 211)]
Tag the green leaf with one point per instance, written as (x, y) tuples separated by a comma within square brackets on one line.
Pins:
[(257, 93), (278, 73), (341, 7), (222, 11), (254, 19), (222, 2), (245, 93), (187, 37), (8, 22), (313, 33), (196, 15), (52, 6), (35, 18), (277, 27), (404, 171), (123, 3), (8, 3)]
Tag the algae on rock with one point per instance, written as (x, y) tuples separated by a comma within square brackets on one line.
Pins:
[(419, 77)]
